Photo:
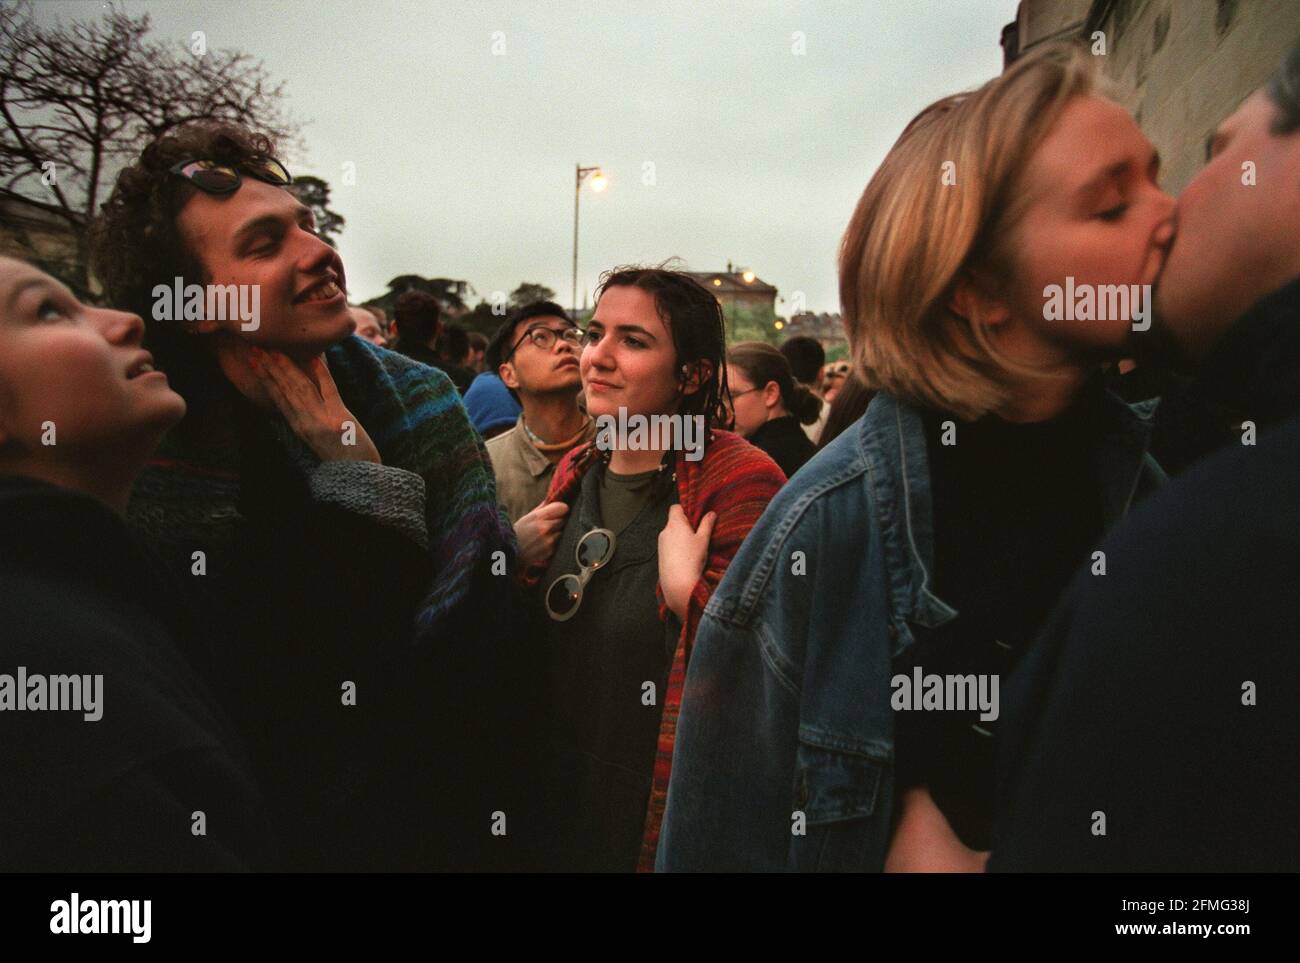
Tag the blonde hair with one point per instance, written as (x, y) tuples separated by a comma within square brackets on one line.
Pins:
[(913, 236)]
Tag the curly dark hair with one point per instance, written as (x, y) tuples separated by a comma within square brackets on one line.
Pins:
[(136, 245), (694, 318)]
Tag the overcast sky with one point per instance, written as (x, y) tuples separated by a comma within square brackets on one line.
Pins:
[(464, 120)]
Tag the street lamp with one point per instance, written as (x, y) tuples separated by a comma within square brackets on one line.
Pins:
[(598, 183)]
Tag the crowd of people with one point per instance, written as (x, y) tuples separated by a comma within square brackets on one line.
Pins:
[(367, 595)]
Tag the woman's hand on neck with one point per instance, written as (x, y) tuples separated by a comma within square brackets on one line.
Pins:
[(234, 357)]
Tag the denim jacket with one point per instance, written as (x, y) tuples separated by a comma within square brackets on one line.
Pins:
[(785, 744)]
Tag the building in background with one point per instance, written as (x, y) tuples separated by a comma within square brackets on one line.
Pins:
[(748, 302), (1180, 66), (742, 289), (45, 235)]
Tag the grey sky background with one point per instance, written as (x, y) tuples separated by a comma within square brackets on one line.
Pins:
[(464, 157)]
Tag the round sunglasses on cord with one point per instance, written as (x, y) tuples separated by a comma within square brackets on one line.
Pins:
[(593, 552), (214, 178)]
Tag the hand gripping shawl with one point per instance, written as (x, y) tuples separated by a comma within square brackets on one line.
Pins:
[(733, 479)]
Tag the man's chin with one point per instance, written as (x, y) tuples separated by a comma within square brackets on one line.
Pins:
[(318, 338), (568, 385), (1159, 345)]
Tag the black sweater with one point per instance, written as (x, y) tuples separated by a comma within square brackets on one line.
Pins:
[(1017, 507), (79, 596), (784, 441)]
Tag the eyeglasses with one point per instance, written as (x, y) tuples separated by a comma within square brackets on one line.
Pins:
[(741, 394), (545, 337), (593, 552), (214, 178)]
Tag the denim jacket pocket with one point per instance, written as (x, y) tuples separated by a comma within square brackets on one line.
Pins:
[(839, 794)]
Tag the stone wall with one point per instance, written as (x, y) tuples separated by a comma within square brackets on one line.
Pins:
[(1181, 66)]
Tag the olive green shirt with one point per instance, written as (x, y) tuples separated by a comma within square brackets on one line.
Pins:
[(622, 497)]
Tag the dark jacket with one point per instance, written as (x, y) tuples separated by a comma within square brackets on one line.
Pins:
[(79, 596), (785, 442), (1164, 696), (317, 579)]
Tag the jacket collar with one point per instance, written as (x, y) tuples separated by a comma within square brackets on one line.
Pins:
[(892, 437)]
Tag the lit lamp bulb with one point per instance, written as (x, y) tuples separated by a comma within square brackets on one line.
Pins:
[(598, 181), (749, 277)]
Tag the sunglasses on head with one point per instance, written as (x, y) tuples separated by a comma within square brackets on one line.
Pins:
[(214, 178)]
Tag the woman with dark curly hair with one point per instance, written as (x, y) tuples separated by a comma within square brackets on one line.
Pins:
[(651, 525)]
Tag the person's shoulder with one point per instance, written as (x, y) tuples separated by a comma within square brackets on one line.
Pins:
[(46, 525), (826, 502), (570, 470), (1233, 493), (358, 360), (507, 441), (1226, 528), (728, 456)]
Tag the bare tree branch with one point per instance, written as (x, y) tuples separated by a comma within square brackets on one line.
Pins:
[(86, 96)]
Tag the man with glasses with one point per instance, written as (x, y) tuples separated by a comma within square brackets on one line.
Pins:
[(536, 354)]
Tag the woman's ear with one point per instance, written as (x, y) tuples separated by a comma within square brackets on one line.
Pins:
[(971, 301), (695, 374)]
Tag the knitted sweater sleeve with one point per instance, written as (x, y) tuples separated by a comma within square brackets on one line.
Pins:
[(387, 495)]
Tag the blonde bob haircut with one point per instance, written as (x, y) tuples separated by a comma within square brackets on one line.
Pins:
[(942, 206)]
